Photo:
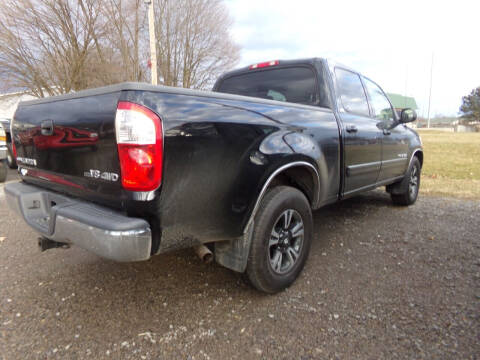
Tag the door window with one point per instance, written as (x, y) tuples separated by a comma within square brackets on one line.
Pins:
[(352, 94), (379, 102)]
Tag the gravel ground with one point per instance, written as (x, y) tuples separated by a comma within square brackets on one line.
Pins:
[(381, 282)]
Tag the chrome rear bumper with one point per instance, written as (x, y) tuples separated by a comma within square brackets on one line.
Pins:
[(100, 230)]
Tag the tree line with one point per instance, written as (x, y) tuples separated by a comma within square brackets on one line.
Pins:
[(50, 47), (470, 108)]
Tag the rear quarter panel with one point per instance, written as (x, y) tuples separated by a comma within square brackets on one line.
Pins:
[(218, 153)]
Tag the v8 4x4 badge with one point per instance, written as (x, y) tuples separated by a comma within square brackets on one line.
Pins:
[(97, 174)]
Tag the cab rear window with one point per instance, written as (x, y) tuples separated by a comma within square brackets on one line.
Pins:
[(292, 84)]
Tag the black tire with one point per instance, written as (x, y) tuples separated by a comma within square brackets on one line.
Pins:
[(406, 192), (3, 170), (278, 204), (12, 162)]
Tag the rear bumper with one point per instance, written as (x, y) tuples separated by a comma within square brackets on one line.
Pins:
[(102, 231)]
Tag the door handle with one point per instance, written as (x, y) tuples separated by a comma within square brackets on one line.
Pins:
[(351, 128)]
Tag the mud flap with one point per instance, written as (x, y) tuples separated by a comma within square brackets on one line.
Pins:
[(233, 254)]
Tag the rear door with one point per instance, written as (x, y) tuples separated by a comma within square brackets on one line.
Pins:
[(394, 138), (362, 135)]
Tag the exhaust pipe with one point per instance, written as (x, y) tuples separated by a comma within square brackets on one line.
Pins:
[(203, 253), (45, 244)]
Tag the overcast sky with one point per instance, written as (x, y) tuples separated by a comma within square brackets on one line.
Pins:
[(389, 41)]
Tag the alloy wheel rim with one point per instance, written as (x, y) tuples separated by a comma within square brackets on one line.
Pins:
[(413, 183), (286, 241)]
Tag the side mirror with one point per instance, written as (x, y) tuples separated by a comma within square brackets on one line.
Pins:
[(407, 115)]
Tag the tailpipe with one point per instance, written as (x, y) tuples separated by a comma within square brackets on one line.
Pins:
[(204, 253), (45, 244)]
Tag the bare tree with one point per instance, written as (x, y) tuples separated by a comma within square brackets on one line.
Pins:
[(126, 35), (45, 45), (194, 42), (58, 46)]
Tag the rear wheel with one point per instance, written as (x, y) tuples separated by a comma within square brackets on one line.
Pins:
[(406, 192), (281, 239)]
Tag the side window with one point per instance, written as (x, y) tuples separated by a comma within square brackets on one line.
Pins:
[(380, 104), (351, 92)]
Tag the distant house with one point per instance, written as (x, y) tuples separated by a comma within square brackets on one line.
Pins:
[(400, 102)]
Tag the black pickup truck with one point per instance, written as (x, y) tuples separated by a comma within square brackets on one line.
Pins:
[(132, 170)]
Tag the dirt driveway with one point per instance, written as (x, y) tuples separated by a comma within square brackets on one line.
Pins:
[(381, 282)]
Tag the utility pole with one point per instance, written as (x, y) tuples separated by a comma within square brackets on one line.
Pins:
[(430, 93), (406, 86), (153, 47)]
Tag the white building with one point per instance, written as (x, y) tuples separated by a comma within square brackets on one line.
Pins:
[(9, 103)]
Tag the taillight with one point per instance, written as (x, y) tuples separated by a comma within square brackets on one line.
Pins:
[(264, 64), (140, 147)]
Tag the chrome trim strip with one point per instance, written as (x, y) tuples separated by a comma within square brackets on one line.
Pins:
[(363, 168), (413, 154), (142, 195), (394, 160), (269, 180), (394, 163)]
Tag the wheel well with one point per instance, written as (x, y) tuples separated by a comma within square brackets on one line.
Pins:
[(419, 155), (299, 177)]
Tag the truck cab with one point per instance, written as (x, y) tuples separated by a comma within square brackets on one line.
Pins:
[(377, 146)]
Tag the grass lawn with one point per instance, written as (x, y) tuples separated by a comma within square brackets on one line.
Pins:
[(451, 164)]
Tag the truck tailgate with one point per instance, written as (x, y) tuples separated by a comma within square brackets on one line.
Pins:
[(68, 144)]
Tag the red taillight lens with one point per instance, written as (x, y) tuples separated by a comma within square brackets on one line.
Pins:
[(140, 147), (264, 64)]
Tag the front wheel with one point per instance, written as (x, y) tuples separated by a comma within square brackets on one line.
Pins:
[(281, 239), (407, 191)]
